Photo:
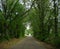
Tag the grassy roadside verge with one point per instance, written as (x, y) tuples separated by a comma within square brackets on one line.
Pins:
[(10, 43)]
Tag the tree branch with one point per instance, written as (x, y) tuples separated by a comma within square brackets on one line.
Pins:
[(25, 11)]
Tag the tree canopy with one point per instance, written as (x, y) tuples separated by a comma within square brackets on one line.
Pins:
[(41, 14)]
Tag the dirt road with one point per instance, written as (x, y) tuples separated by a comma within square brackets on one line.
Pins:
[(28, 43)]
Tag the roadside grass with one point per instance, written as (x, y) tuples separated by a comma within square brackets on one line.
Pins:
[(10, 43)]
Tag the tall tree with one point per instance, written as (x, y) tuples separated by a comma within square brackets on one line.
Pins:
[(56, 16)]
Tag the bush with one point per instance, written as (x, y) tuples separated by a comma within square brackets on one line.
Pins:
[(57, 43)]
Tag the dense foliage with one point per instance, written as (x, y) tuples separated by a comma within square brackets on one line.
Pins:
[(41, 14), (44, 20), (11, 21)]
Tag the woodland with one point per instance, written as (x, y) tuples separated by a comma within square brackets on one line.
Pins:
[(43, 16)]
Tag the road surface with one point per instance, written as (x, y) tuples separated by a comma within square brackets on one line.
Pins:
[(28, 43)]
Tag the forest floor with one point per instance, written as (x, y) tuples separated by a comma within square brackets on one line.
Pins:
[(26, 43)]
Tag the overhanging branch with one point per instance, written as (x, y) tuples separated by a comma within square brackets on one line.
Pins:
[(24, 12)]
